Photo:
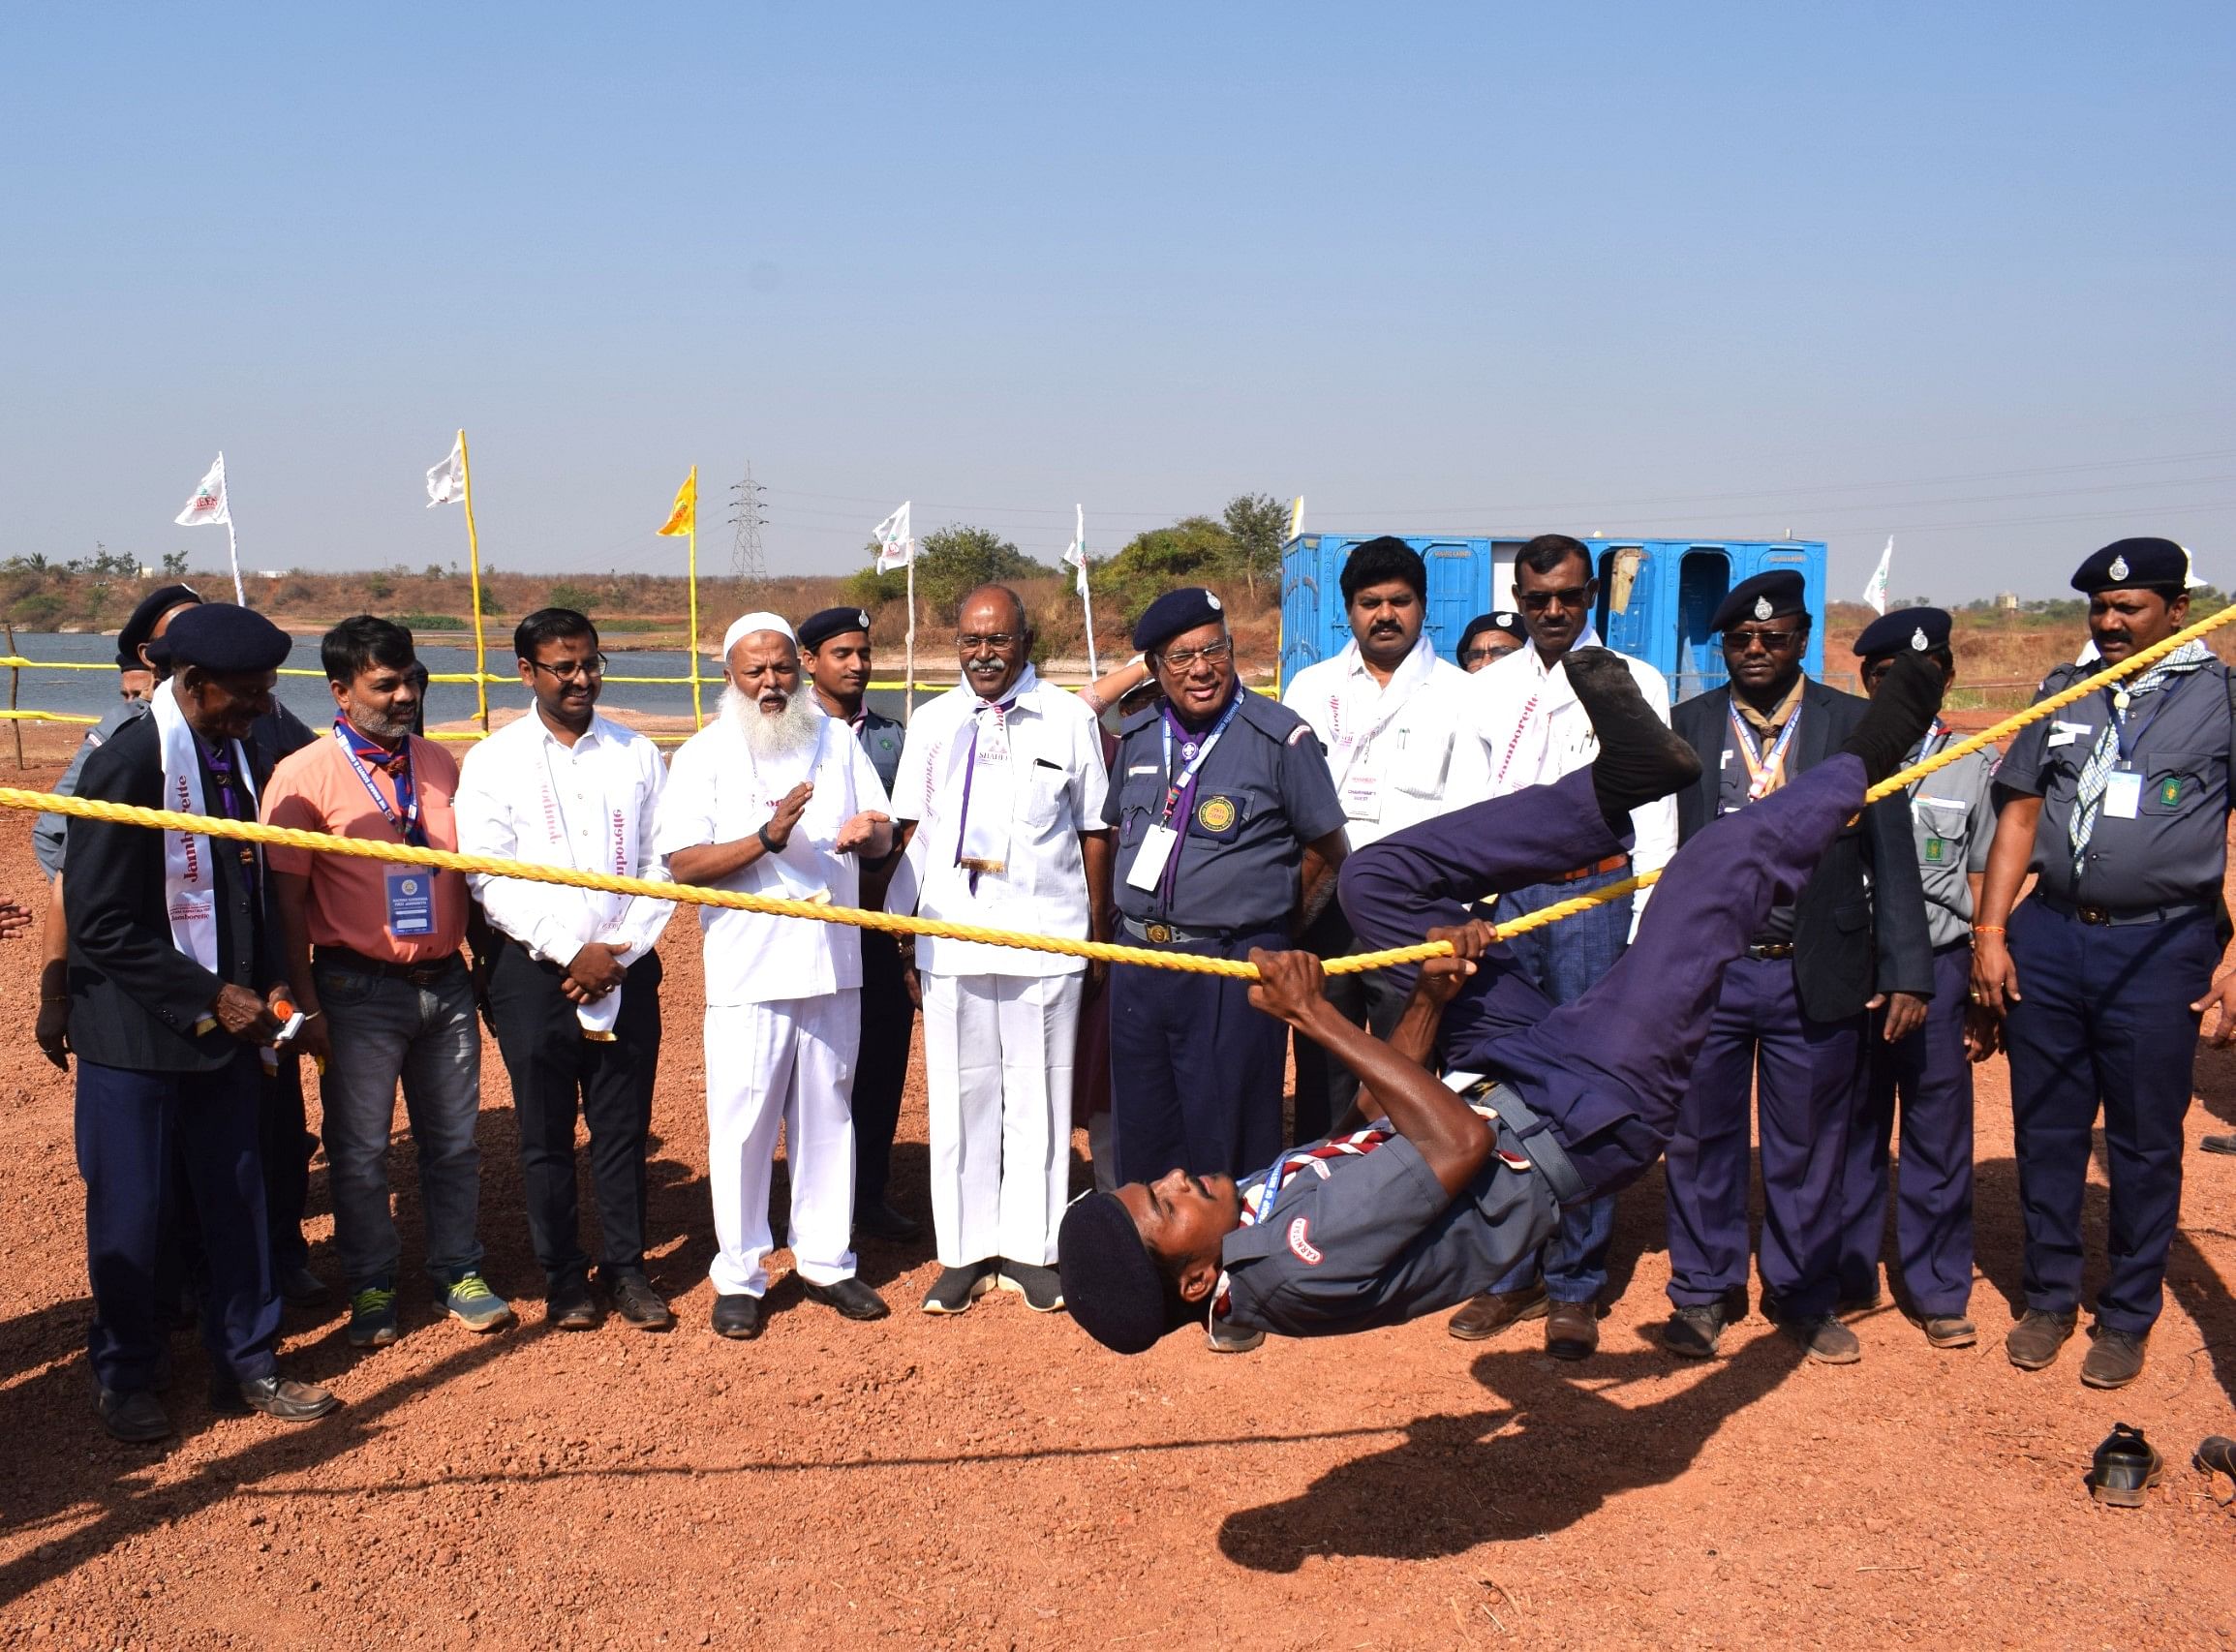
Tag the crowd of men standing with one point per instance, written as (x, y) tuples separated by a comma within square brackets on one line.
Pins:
[(1166, 807)]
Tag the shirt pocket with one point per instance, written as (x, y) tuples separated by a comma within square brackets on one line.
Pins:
[(2176, 782), (1417, 767), (1041, 800), (1221, 815)]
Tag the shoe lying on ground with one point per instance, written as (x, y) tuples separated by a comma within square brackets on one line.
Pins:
[(1824, 1339), (280, 1398), (957, 1288), (372, 1316), (2034, 1343), (1948, 1331), (571, 1308), (1040, 1287), (636, 1301), (2216, 1454), (1572, 1331), (136, 1417), (1494, 1310), (880, 1221), (1694, 1332), (850, 1297), (2126, 1466), (300, 1288), (473, 1304), (1228, 1338), (738, 1317), (2115, 1358)]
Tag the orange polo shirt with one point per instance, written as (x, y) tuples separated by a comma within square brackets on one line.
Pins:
[(318, 790)]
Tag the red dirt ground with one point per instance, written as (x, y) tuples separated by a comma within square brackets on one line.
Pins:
[(996, 1481)]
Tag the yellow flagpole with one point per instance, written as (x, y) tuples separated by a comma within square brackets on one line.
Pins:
[(698, 712), (474, 567)]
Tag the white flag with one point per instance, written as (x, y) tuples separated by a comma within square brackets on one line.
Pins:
[(1297, 518), (895, 548), (207, 506), (1075, 553), (447, 481), (1875, 588)]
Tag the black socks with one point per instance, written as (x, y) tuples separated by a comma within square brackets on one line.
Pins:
[(1641, 759), (1902, 709)]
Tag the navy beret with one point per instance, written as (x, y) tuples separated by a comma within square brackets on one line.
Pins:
[(1919, 628), (2125, 564), (1500, 620), (1110, 1284), (818, 628), (1766, 596), (141, 628), (1176, 612), (221, 638)]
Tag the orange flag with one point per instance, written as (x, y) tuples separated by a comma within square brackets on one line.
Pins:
[(685, 514)]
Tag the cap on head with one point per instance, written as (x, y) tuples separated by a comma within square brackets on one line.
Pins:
[(1176, 612), (2125, 564), (821, 627), (139, 629), (1498, 620), (761, 620), (227, 639), (1773, 595), (1904, 629), (1110, 1283)]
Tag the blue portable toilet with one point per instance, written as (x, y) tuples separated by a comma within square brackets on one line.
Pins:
[(1656, 594)]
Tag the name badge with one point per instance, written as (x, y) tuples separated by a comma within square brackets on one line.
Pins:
[(2122, 795), (1362, 795), (1148, 867), (411, 900)]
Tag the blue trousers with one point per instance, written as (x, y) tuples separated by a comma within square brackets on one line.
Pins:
[(1195, 1072), (1929, 1077), (2104, 1013), (1808, 1078), (130, 1124), (1564, 961)]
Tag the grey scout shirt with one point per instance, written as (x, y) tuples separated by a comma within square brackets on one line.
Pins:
[(1953, 813), (1354, 1242), (881, 740), (49, 833), (1262, 795), (2175, 850)]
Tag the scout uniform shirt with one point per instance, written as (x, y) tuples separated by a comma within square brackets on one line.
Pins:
[(1262, 793), (882, 739), (1953, 813)]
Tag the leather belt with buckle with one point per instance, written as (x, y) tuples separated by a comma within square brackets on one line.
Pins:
[(1613, 863), (1161, 934), (1770, 949), (417, 975), (2110, 917)]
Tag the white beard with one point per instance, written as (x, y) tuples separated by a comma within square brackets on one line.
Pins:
[(772, 737)]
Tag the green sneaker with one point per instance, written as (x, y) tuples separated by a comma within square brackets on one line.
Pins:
[(474, 1305), (372, 1317)]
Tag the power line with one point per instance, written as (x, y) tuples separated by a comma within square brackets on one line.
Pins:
[(748, 566)]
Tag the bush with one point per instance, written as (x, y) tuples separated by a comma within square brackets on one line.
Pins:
[(1193, 551), (37, 612), (568, 594), (432, 622)]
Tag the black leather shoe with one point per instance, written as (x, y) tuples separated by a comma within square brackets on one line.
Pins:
[(136, 1417), (2218, 1144), (2126, 1465), (280, 1398), (880, 1221), (571, 1308), (850, 1297), (2216, 1454), (300, 1288), (1694, 1332), (738, 1317), (2115, 1358), (636, 1301), (2034, 1343)]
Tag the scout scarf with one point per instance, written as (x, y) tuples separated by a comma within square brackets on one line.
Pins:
[(614, 850), (1765, 759), (1360, 709), (189, 893), (2112, 743), (989, 784)]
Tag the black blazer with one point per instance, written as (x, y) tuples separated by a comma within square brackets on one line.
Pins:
[(133, 996), (1859, 925)]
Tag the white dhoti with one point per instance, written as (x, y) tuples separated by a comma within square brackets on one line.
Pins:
[(997, 1066), (788, 1062)]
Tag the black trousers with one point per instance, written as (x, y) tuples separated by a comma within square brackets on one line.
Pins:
[(288, 1145), (1325, 1087), (881, 1069), (552, 1067)]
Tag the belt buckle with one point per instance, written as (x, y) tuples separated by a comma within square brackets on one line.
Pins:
[(1159, 934), (2094, 915)]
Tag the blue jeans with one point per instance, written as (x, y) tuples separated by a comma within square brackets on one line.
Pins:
[(384, 1028), (1564, 960)]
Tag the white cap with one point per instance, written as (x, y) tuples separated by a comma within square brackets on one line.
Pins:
[(746, 625)]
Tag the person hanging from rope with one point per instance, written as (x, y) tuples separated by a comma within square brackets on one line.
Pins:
[(1539, 1107)]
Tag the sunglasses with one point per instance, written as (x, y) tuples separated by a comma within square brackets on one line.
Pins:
[(1774, 642), (1568, 596)]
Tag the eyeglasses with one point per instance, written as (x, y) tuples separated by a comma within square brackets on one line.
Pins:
[(1774, 642), (593, 666), (1568, 596), (996, 640), (1477, 655), (1181, 659)]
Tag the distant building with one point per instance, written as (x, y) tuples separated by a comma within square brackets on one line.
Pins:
[(2008, 601)]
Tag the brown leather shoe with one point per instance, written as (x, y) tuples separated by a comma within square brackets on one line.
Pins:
[(2115, 1357), (1572, 1331), (1494, 1310), (2034, 1343)]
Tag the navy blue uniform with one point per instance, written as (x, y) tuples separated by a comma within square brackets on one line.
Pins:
[(2112, 947), (888, 1017), (1195, 1071), (1359, 1240)]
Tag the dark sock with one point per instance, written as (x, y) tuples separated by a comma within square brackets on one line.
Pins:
[(1902, 709), (1641, 759)]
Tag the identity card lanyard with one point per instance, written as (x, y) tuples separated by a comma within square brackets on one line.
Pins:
[(1183, 785), (407, 793), (1761, 771), (410, 889)]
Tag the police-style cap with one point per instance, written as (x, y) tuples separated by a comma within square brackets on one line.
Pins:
[(1769, 596), (816, 630), (1110, 1283), (2125, 564), (1500, 620), (141, 628), (1174, 612), (1919, 629), (229, 640)]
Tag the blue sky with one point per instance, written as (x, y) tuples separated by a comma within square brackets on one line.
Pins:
[(1962, 274)]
